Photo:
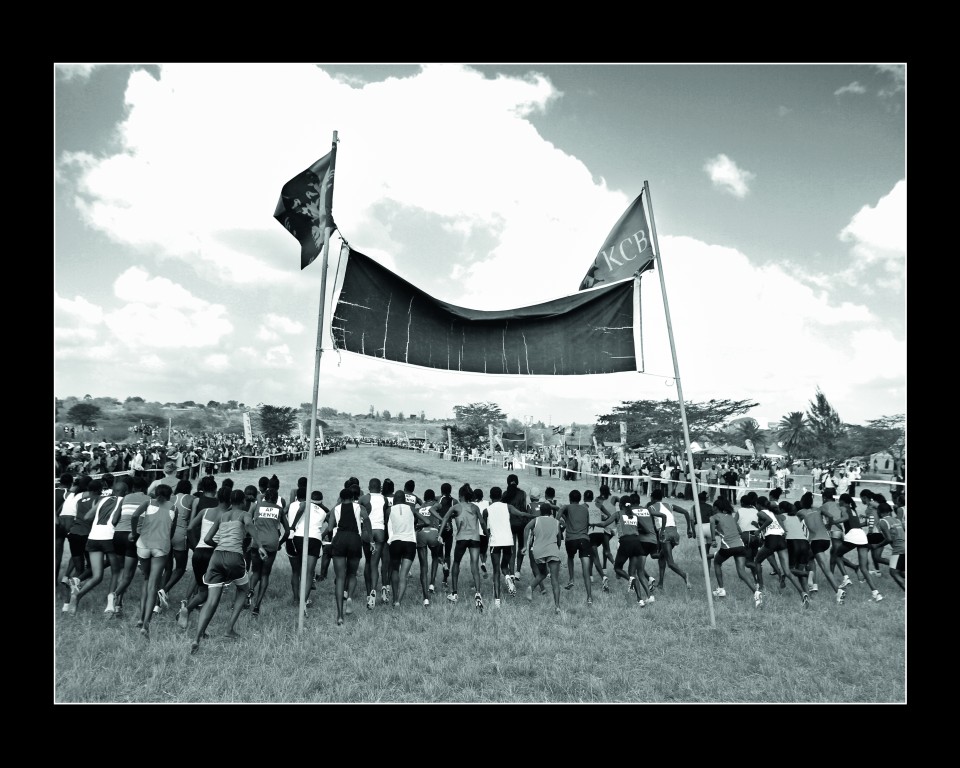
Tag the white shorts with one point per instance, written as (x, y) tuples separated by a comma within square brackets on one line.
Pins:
[(855, 536)]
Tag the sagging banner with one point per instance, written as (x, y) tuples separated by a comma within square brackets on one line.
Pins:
[(380, 314)]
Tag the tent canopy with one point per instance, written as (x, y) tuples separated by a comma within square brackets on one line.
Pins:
[(735, 450)]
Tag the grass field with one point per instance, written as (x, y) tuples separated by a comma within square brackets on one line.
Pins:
[(611, 651)]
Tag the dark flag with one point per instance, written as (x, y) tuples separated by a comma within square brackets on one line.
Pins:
[(558, 430), (305, 207), (626, 250)]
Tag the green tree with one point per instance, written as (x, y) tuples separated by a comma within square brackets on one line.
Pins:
[(659, 420), (134, 399), (213, 404), (85, 414), (385, 415), (473, 421), (827, 426), (749, 430), (277, 421), (796, 434)]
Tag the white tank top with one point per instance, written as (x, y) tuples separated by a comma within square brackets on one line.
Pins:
[(102, 530)]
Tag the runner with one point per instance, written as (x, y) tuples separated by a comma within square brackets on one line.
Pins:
[(819, 539), (153, 546), (497, 517), (668, 535), (855, 537), (122, 546), (775, 542), (469, 523), (894, 534), (270, 530), (374, 550), (638, 539), (177, 562), (403, 544), (206, 511), (428, 539), (345, 549), (599, 523), (446, 532), (519, 518), (575, 517), (724, 529), (226, 566), (319, 526), (542, 536), (482, 505), (100, 544)]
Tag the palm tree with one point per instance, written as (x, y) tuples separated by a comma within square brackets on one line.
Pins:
[(749, 430), (795, 432)]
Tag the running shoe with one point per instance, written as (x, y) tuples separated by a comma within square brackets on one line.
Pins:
[(876, 573), (483, 570), (74, 585), (651, 582), (156, 610), (641, 604), (164, 602), (841, 594), (384, 597), (432, 590), (805, 600), (758, 599), (876, 596), (813, 588), (479, 602), (720, 592), (846, 582), (651, 600), (606, 584), (371, 599), (568, 586), (117, 612), (511, 588), (630, 584), (426, 603), (348, 606), (496, 603), (255, 613), (110, 608), (452, 597)]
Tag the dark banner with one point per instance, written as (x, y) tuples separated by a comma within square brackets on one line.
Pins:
[(382, 315)]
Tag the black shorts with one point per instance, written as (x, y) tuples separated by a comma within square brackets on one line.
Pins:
[(314, 547), (100, 545), (401, 550), (517, 529), (462, 546), (819, 545), (874, 538), (578, 547), (630, 546), (262, 565), (774, 542), (726, 553), (346, 544), (596, 539)]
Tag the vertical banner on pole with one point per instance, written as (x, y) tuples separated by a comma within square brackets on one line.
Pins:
[(247, 429), (623, 433)]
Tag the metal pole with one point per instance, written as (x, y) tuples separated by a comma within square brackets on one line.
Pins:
[(683, 413)]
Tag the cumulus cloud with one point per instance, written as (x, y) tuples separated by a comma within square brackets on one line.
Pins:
[(727, 177), (853, 87)]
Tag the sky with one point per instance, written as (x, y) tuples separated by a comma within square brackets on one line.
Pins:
[(778, 194)]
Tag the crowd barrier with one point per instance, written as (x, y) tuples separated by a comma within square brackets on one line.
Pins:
[(642, 484)]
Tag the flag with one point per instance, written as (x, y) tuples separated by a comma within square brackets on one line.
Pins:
[(305, 207), (247, 429), (626, 250), (381, 315), (558, 430)]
